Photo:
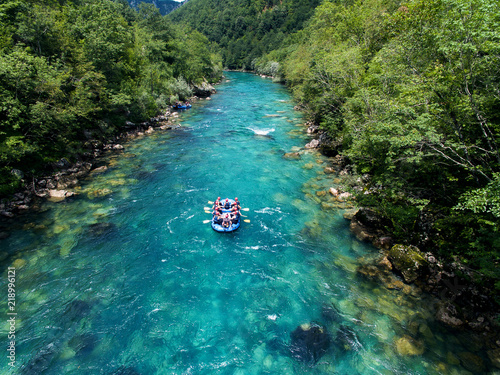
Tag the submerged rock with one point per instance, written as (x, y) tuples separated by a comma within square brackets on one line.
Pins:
[(101, 229), (19, 263), (313, 144), (409, 346), (41, 362), (347, 340), (471, 362), (494, 356), (76, 310), (292, 155), (83, 344), (309, 342)]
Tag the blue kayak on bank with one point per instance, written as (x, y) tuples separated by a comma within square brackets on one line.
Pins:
[(232, 227)]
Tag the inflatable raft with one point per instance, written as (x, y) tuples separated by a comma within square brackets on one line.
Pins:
[(181, 106), (232, 227)]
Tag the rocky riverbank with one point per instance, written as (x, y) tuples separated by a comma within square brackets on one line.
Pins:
[(458, 304), (58, 185)]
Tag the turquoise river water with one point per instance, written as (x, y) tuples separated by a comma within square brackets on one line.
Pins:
[(126, 278)]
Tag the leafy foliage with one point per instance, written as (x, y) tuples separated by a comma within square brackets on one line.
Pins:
[(412, 93), (73, 68)]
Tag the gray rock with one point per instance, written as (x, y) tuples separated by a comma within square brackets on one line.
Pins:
[(313, 144), (408, 260)]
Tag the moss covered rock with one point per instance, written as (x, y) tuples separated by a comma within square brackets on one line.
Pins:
[(409, 261), (408, 346)]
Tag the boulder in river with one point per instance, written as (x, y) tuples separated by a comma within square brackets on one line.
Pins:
[(494, 356), (101, 229), (472, 362), (447, 313), (309, 342), (347, 340), (409, 261), (59, 195)]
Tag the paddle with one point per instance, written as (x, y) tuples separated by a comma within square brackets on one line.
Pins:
[(246, 221), (206, 221)]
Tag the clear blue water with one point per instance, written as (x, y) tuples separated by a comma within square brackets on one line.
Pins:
[(128, 276)]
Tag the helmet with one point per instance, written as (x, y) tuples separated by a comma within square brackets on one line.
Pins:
[(235, 199)]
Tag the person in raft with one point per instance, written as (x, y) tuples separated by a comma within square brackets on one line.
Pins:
[(236, 204), (217, 218), (216, 211), (235, 215), (226, 221), (217, 203), (227, 204)]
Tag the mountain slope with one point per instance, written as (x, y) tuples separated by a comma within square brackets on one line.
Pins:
[(165, 6), (245, 29)]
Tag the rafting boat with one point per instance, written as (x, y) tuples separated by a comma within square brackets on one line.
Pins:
[(232, 227), (181, 106)]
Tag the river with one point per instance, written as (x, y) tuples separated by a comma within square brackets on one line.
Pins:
[(128, 278)]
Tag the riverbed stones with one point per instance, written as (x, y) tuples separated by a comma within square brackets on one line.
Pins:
[(447, 313), (471, 362), (346, 339), (408, 346), (452, 359), (494, 356), (309, 342)]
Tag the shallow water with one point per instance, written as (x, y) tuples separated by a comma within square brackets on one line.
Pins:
[(127, 277)]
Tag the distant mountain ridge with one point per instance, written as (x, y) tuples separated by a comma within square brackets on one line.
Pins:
[(245, 29), (165, 6)]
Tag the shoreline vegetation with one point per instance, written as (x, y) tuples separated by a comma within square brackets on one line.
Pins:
[(76, 73)]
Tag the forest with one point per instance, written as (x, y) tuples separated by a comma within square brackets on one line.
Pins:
[(409, 94), (72, 72), (245, 29)]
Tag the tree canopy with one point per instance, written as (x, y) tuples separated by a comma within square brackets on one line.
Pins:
[(75, 70)]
